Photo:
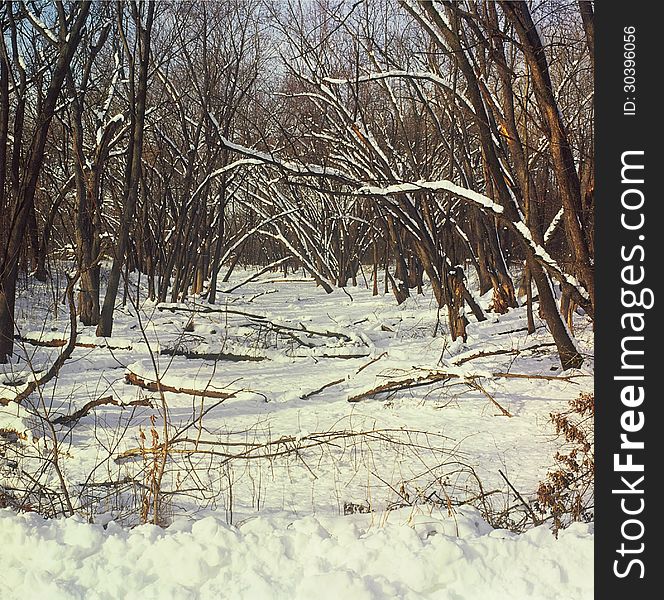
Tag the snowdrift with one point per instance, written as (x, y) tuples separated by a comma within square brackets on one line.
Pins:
[(402, 554)]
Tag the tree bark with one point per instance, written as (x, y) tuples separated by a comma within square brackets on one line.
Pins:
[(588, 18)]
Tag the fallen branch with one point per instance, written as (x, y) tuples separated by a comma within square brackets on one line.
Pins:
[(288, 280), (480, 388), (483, 353), (517, 330), (436, 376), (256, 319), (322, 388), (157, 386), (568, 378), (403, 384), (338, 381), (105, 401), (341, 356), (258, 295), (269, 267), (371, 362)]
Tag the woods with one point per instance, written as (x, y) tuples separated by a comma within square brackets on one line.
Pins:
[(302, 276), (423, 141), (295, 256)]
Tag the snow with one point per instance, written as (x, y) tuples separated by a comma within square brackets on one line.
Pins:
[(42, 27), (546, 257), (554, 223), (270, 525), (442, 184), (266, 158), (485, 202), (408, 554)]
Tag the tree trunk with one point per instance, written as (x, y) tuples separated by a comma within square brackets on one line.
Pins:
[(105, 326), (569, 356), (587, 16), (7, 301)]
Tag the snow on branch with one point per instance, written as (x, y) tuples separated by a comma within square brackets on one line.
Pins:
[(40, 26), (552, 226), (303, 169), (435, 186), (486, 203)]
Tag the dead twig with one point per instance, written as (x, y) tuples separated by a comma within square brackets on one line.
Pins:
[(338, 381), (525, 504)]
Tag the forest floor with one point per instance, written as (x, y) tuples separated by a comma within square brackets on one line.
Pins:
[(317, 443)]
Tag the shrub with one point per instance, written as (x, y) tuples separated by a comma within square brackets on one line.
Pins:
[(567, 494)]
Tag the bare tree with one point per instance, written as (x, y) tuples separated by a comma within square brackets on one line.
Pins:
[(142, 16), (64, 45)]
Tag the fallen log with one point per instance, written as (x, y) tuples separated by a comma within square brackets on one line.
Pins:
[(157, 386), (211, 355), (59, 342)]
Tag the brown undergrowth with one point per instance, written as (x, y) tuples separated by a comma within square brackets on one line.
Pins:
[(566, 495)]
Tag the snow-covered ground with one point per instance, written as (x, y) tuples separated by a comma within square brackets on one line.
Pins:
[(256, 484), (409, 554)]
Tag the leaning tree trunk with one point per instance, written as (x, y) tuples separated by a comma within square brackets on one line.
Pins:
[(433, 21), (567, 177)]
